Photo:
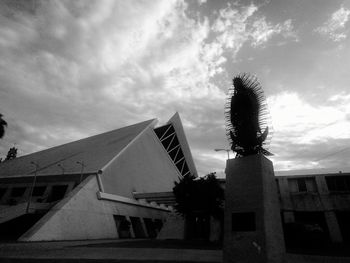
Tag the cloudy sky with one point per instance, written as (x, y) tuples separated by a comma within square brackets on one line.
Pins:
[(71, 69)]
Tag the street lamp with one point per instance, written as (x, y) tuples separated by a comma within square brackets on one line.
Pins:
[(82, 169), (226, 150), (32, 188)]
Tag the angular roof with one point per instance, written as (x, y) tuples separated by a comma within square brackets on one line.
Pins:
[(95, 151)]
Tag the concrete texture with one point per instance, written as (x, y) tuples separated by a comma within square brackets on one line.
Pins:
[(78, 251), (173, 228), (82, 216), (144, 166), (251, 188)]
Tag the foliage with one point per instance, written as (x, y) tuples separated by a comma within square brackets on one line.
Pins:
[(246, 115), (11, 154), (203, 195), (3, 123)]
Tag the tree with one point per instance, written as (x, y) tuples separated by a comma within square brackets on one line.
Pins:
[(3, 123), (11, 154), (199, 195)]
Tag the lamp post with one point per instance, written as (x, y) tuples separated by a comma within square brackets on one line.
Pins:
[(82, 169), (33, 185), (226, 150)]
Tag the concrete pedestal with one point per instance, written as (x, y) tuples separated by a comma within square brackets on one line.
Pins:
[(252, 224)]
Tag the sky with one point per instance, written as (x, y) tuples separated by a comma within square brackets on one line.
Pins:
[(72, 69)]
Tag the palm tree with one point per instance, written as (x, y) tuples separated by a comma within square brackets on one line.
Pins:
[(3, 123)]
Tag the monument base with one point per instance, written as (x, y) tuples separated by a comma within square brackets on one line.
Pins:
[(252, 222)]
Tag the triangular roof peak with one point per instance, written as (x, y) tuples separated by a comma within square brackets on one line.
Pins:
[(175, 120), (95, 151)]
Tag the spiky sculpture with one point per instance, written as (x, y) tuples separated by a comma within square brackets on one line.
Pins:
[(3, 123), (247, 116)]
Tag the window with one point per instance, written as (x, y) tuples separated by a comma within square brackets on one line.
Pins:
[(339, 183), (137, 227), (2, 192), (301, 185), (171, 144), (57, 192), (307, 184), (150, 227), (39, 190), (18, 191), (123, 226)]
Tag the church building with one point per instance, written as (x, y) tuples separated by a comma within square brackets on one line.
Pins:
[(112, 185)]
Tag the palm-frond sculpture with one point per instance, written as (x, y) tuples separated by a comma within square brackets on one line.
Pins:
[(247, 117)]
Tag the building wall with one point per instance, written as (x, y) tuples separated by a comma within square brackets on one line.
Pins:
[(327, 195), (8, 198), (81, 215), (143, 167)]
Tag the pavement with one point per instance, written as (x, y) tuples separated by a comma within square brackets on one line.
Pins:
[(96, 251), (82, 251)]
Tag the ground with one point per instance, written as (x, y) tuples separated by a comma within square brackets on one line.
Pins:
[(130, 251)]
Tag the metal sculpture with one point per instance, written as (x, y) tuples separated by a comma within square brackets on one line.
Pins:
[(247, 117)]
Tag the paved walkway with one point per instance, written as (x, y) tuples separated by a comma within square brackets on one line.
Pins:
[(80, 251), (76, 251)]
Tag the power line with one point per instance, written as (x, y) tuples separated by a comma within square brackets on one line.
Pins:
[(324, 157)]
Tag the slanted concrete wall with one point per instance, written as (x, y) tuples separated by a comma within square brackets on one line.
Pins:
[(174, 227), (143, 167), (82, 216)]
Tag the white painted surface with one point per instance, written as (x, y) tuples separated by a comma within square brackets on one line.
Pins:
[(82, 216), (143, 167)]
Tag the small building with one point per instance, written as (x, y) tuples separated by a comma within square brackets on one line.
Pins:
[(319, 201), (112, 185), (314, 205)]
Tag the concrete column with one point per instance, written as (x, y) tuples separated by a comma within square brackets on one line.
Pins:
[(144, 228), (286, 200), (252, 221), (333, 227), (132, 233)]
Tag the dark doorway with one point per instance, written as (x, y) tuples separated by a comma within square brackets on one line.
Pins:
[(198, 226), (150, 227), (137, 227), (308, 231), (123, 226), (343, 218)]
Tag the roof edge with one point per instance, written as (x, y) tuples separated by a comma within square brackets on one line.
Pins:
[(152, 123)]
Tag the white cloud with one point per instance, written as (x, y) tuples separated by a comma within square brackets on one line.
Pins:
[(292, 115), (263, 31), (235, 27), (72, 69), (304, 133), (334, 27)]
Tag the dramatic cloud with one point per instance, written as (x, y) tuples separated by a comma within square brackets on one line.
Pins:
[(71, 69), (334, 27), (305, 134)]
